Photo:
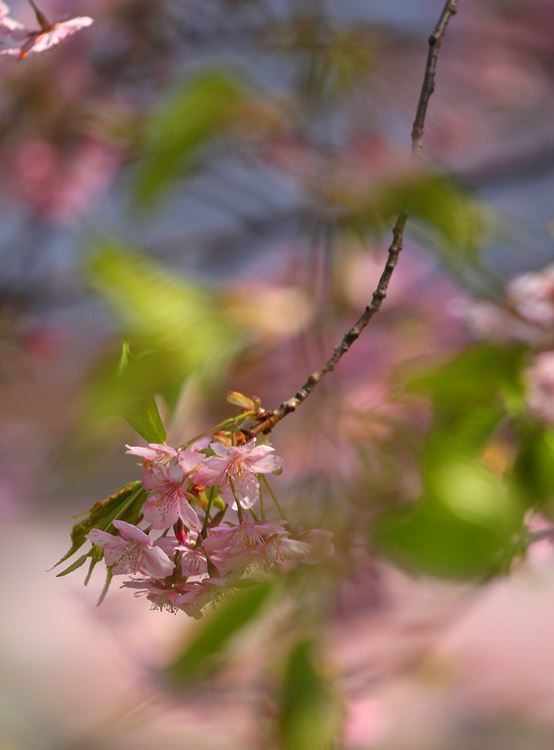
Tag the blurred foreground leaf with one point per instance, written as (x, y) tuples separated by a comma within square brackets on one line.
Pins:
[(205, 652), (144, 418), (125, 504), (188, 120), (463, 526), (533, 469), (308, 711), (453, 220), (470, 395), (175, 328)]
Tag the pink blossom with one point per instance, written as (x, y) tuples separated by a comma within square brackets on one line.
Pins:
[(32, 41), (152, 452), (131, 551), (189, 596), (7, 24), (532, 295), (243, 537), (237, 467), (540, 386), (320, 542), (487, 320), (193, 559), (161, 596), (168, 499)]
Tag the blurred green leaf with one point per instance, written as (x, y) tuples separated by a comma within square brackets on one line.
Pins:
[(189, 119), (462, 527), (468, 395), (453, 221), (144, 417), (125, 504), (479, 373), (533, 469), (204, 653), (309, 715), (175, 328)]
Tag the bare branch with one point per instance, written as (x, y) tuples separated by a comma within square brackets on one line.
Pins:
[(395, 248)]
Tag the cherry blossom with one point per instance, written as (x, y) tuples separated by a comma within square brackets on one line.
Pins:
[(189, 596), (132, 551), (540, 391), (242, 537), (532, 295), (168, 499), (32, 41), (235, 470), (193, 558), (152, 452)]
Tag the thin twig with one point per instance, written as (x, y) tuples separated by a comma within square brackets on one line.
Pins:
[(395, 248)]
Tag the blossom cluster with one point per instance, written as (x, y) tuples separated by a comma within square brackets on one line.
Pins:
[(19, 41), (187, 553), (527, 316)]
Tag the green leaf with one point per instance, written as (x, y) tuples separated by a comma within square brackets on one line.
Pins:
[(187, 121), (105, 589), (533, 469), (204, 653), (177, 328), (125, 504), (463, 526), (479, 373), (469, 395), (74, 566), (144, 417), (309, 715)]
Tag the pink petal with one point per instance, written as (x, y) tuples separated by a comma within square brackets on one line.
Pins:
[(157, 563), (169, 544), (123, 558), (132, 533), (221, 450), (161, 511), (100, 538), (211, 471), (151, 452), (174, 471), (247, 488), (194, 563), (201, 444), (188, 515), (189, 460), (266, 465)]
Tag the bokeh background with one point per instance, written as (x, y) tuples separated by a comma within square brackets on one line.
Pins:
[(214, 181)]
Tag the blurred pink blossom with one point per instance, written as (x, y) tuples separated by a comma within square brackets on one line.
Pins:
[(367, 722), (540, 386), (532, 295), (131, 551)]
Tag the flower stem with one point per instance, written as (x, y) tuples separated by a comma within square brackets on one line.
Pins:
[(273, 496), (44, 23), (211, 495), (240, 510)]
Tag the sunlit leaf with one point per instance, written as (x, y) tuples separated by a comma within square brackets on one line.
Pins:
[(144, 416), (174, 328), (463, 526), (309, 716), (204, 653)]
